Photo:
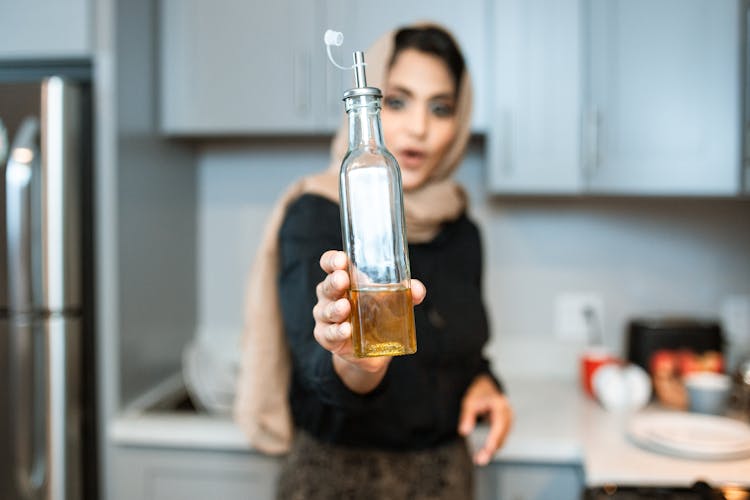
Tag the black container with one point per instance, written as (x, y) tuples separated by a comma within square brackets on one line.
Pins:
[(647, 335)]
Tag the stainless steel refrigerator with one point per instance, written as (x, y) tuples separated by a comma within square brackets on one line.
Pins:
[(47, 369)]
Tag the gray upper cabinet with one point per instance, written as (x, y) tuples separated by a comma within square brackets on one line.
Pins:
[(664, 110), (246, 67), (238, 67), (638, 97), (534, 133), (41, 29)]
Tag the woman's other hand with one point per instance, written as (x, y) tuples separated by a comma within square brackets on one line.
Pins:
[(333, 331), (484, 398)]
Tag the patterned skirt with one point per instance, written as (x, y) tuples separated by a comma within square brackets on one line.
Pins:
[(314, 470)]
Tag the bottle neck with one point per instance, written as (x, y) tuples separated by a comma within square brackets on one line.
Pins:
[(364, 122)]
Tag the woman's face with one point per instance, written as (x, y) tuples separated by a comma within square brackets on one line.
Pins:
[(419, 119)]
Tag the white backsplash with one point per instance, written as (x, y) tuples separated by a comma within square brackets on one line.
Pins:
[(640, 255)]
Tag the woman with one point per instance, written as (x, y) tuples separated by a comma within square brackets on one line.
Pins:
[(379, 427)]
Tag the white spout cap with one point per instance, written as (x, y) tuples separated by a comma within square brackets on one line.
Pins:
[(333, 38)]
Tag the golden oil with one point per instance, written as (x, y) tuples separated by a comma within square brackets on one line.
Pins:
[(383, 321)]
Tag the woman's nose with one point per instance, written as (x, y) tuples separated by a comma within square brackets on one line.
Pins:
[(418, 121)]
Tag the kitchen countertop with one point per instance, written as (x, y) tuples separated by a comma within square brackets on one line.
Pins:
[(554, 424), (609, 457)]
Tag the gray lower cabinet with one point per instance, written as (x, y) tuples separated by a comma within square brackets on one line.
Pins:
[(178, 474), (151, 473), (530, 481)]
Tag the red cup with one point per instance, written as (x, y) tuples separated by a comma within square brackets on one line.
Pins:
[(591, 360)]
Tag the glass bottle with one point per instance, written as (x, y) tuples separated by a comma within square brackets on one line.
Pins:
[(374, 231)]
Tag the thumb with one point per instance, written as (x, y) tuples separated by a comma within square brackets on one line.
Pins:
[(418, 291)]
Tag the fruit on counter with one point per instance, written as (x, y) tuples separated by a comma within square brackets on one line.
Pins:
[(664, 362), (671, 391), (690, 362), (683, 361), (669, 367)]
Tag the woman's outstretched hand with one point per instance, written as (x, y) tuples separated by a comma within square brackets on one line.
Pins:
[(483, 398), (333, 331)]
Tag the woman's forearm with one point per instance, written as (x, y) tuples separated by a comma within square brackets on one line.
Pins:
[(360, 378)]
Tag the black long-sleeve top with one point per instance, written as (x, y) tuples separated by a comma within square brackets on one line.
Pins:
[(417, 404)]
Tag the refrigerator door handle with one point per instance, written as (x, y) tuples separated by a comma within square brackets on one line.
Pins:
[(60, 283), (20, 175), (29, 469), (60, 274), (3, 143), (22, 187)]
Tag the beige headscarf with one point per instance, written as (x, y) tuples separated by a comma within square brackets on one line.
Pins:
[(262, 406)]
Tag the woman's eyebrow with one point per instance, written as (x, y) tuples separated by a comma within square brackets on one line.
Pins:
[(441, 96), (402, 90)]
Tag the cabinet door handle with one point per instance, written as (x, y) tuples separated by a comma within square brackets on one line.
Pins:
[(301, 78), (509, 140), (593, 156), (4, 145)]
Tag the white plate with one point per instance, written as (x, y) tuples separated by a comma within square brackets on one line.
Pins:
[(691, 435)]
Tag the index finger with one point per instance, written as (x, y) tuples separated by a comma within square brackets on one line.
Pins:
[(333, 260), (500, 420)]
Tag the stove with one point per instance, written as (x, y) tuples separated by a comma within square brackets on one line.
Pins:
[(699, 491)]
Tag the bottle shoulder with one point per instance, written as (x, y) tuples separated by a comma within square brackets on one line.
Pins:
[(364, 157)]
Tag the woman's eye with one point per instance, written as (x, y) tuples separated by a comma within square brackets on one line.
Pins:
[(442, 110), (394, 103)]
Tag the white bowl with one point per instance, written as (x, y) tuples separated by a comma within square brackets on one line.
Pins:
[(708, 392)]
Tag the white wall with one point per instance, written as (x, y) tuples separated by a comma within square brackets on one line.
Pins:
[(641, 255)]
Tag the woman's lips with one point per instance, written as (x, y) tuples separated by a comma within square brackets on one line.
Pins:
[(411, 158)]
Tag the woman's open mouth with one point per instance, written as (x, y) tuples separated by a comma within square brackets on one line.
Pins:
[(411, 158)]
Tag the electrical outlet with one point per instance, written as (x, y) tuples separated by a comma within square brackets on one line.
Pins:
[(579, 316), (735, 319)]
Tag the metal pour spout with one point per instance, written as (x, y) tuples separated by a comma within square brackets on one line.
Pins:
[(360, 79)]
